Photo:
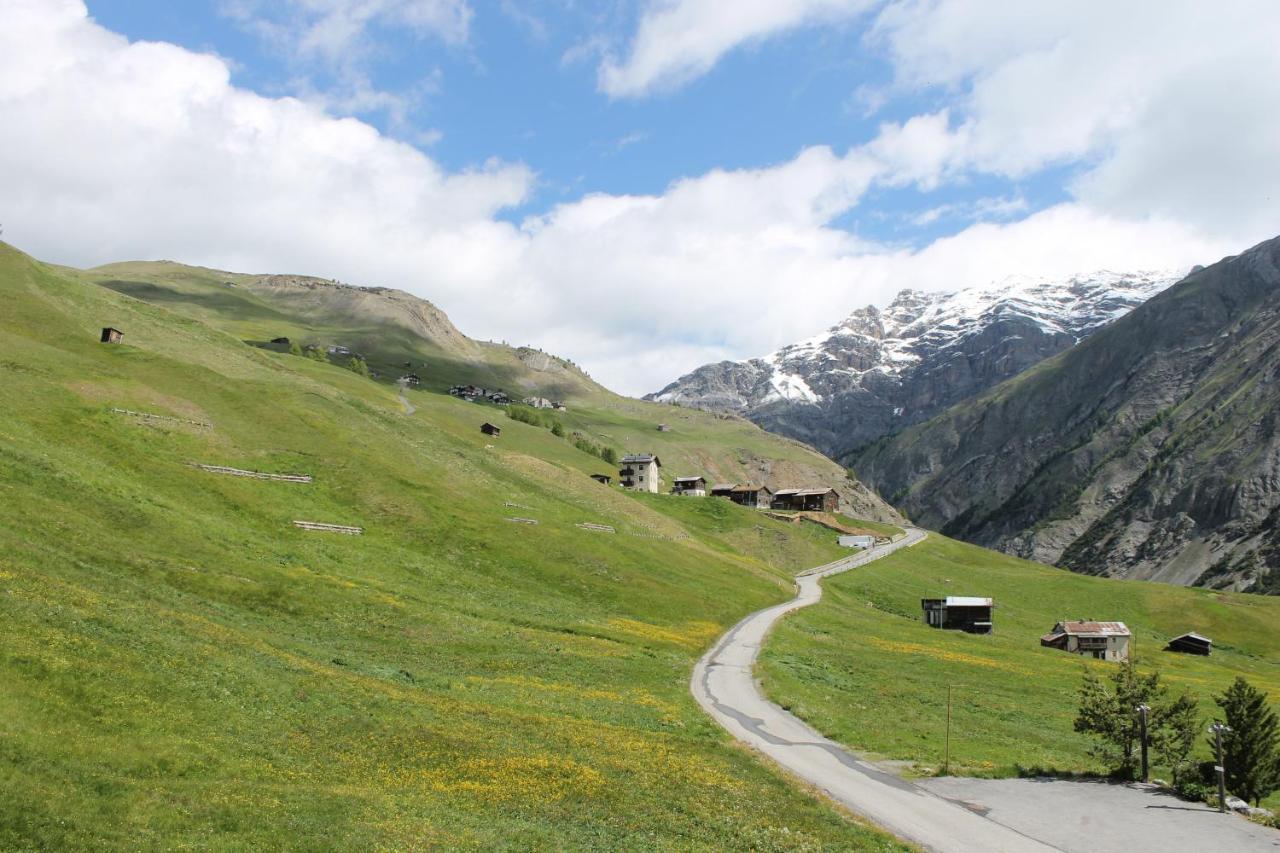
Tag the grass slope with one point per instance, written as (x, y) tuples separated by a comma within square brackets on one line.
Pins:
[(863, 667), (182, 668), (392, 328)]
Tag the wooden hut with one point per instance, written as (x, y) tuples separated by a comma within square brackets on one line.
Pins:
[(603, 479), (960, 613), (807, 500), (112, 336), (692, 486), (1100, 640), (489, 429), (1190, 643)]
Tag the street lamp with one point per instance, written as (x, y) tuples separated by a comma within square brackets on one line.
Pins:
[(1218, 729), (1143, 710)]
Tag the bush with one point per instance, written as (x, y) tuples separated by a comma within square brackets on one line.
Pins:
[(357, 365), (317, 354), (528, 415), (557, 429), (608, 454), (295, 348)]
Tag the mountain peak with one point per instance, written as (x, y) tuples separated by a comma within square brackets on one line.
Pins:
[(879, 370)]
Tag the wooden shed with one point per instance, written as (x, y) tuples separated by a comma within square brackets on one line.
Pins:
[(112, 336), (489, 429), (694, 486), (807, 500), (960, 613), (1190, 643), (603, 479)]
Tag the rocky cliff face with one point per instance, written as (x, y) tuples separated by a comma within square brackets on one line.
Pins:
[(1151, 450), (880, 371)]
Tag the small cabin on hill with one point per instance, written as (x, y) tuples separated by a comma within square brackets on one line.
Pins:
[(603, 479), (744, 494), (691, 486), (664, 428), (641, 472), (489, 429), (960, 613), (1100, 640), (1190, 643), (413, 380), (112, 336), (807, 500)]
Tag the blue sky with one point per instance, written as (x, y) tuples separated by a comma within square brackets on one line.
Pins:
[(523, 88), (642, 185)]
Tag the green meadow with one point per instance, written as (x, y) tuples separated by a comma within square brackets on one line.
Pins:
[(182, 668), (863, 668)]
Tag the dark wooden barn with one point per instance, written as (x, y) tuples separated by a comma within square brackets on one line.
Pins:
[(960, 613), (489, 429), (1190, 643), (112, 336), (604, 479), (807, 500)]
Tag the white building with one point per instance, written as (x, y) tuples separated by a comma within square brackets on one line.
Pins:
[(1101, 640), (641, 472), (857, 541)]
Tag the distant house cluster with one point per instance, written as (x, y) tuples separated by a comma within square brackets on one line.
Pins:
[(412, 380), (1108, 641), (476, 394)]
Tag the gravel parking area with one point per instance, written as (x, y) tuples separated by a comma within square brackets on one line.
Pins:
[(1101, 817)]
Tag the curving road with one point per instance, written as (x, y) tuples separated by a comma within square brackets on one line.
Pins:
[(724, 685)]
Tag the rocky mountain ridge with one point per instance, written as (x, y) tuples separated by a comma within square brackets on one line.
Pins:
[(881, 370), (1149, 451)]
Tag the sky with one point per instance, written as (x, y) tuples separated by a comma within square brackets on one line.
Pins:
[(642, 186)]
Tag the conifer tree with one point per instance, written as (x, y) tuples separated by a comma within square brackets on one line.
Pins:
[(1251, 750)]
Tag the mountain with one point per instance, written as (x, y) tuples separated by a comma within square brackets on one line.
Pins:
[(391, 328), (1151, 450), (880, 371)]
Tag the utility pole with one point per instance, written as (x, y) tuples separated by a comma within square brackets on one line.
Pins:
[(946, 755), (1143, 710), (1218, 729)]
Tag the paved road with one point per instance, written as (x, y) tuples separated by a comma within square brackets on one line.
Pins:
[(1097, 817), (724, 685)]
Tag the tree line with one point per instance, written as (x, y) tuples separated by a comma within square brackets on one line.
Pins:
[(1110, 712)]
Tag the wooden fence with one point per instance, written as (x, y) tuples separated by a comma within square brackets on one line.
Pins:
[(329, 528), (257, 475)]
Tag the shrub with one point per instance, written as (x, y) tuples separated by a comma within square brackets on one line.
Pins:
[(357, 365)]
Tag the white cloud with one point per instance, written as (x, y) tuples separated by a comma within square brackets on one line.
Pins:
[(332, 43), (679, 40), (1165, 104), (334, 30), (115, 150)]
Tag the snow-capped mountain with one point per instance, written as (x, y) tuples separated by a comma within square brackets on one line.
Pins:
[(880, 370)]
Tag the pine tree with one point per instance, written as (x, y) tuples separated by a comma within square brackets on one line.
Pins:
[(1110, 715), (1251, 750), (1173, 734)]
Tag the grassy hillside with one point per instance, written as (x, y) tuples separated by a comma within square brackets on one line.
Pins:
[(392, 329), (864, 668), (181, 667)]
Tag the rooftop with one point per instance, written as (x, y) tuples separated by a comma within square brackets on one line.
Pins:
[(1093, 629)]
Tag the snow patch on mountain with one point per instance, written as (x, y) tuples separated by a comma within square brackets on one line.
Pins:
[(918, 328)]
